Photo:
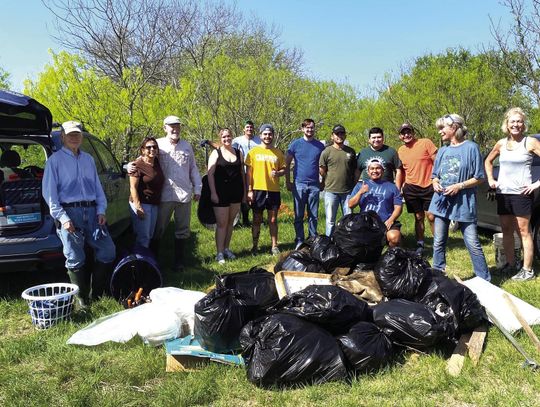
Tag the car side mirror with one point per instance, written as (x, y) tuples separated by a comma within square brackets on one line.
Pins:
[(124, 169)]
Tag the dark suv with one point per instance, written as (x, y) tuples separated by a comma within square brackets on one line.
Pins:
[(487, 207), (28, 238)]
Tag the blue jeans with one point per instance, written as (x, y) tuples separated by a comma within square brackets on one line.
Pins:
[(85, 222), (470, 237), (305, 195), (332, 201), (144, 228)]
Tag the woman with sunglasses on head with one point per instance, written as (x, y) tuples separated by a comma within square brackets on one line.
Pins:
[(226, 180), (146, 183), (515, 189), (457, 171)]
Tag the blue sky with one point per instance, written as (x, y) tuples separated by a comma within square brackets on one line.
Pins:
[(342, 40)]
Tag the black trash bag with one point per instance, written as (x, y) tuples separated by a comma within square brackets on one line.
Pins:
[(327, 253), (360, 236), (441, 294), (366, 347), (299, 260), (400, 273), (257, 284), (219, 317), (328, 306), (412, 324), (283, 350)]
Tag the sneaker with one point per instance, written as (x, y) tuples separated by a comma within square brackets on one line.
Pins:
[(275, 251), (220, 258), (419, 250), (523, 275), (298, 245), (254, 250), (228, 254)]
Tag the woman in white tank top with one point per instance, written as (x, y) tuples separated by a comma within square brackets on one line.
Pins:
[(515, 189)]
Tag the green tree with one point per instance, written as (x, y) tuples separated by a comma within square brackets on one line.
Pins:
[(4, 79), (454, 82), (74, 90)]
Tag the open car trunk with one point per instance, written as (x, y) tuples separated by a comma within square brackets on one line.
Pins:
[(21, 205)]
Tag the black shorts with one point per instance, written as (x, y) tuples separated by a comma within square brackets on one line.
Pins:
[(266, 200), (230, 193), (514, 204), (417, 198)]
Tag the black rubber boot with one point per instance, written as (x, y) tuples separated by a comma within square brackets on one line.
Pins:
[(81, 278), (179, 255), (154, 247), (101, 279)]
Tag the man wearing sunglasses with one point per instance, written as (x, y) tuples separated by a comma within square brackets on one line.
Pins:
[(417, 157)]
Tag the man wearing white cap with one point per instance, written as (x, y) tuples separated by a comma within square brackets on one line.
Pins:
[(73, 192), (383, 197), (182, 182)]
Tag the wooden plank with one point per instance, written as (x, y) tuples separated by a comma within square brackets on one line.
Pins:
[(455, 363), (476, 343), (522, 321), (183, 363)]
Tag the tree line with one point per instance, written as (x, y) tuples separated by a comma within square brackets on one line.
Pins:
[(131, 62)]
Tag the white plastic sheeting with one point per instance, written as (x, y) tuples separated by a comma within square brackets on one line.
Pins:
[(168, 316), (491, 297)]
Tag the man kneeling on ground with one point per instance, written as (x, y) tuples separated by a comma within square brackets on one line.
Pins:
[(382, 197)]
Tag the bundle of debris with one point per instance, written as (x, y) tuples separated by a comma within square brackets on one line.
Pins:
[(325, 332)]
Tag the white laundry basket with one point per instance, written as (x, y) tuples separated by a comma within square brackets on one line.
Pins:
[(50, 303)]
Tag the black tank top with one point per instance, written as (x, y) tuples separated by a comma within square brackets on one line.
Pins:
[(228, 172)]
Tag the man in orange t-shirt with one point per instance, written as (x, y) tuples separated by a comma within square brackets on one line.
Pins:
[(417, 157)]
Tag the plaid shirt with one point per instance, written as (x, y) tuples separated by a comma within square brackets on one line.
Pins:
[(182, 178)]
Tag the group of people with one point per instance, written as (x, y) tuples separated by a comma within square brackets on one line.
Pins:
[(244, 174)]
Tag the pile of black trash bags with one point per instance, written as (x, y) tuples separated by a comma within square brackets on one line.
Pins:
[(357, 238), (324, 332)]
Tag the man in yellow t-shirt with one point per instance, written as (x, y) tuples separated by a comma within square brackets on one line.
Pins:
[(265, 164)]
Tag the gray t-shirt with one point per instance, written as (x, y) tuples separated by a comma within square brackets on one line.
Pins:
[(388, 156)]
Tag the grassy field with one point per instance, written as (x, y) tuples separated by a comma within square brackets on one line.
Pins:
[(39, 369)]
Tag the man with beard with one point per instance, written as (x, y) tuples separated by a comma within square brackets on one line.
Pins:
[(182, 183), (417, 157), (265, 165), (337, 166), (305, 151)]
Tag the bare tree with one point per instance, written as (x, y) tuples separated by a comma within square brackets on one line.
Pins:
[(520, 45), (142, 43)]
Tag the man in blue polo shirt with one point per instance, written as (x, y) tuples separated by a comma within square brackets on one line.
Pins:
[(305, 151)]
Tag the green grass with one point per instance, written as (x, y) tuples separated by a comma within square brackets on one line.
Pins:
[(39, 369)]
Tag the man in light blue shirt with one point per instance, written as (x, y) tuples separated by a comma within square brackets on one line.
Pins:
[(73, 191), (245, 143)]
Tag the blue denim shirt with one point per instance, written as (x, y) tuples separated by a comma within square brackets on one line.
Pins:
[(71, 178)]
